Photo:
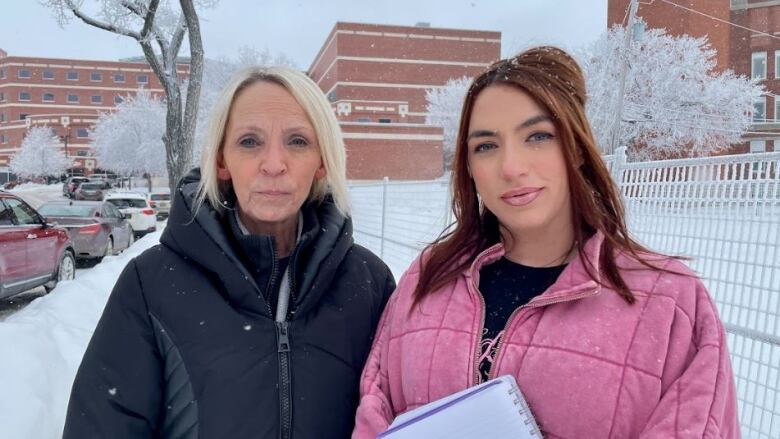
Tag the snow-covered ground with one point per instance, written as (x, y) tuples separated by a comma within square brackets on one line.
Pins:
[(42, 346)]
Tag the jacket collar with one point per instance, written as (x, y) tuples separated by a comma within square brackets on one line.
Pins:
[(573, 283), (198, 234)]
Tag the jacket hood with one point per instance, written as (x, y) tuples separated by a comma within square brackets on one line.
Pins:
[(197, 234)]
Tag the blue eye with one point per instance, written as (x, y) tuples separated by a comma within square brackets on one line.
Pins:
[(540, 137), (299, 141), (248, 142), (484, 147)]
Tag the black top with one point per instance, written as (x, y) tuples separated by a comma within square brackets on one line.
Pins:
[(507, 285), (187, 347)]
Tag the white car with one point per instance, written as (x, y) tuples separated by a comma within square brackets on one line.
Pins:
[(160, 201), (136, 208)]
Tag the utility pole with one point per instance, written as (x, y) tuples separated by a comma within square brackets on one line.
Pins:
[(615, 140)]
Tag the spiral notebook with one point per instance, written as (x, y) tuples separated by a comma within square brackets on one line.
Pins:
[(495, 409)]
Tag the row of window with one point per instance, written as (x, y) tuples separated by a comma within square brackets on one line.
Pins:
[(81, 133), (71, 98), (119, 77)]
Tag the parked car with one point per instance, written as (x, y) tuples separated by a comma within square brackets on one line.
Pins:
[(136, 208), (71, 184), (10, 185), (110, 178), (97, 228), (160, 201), (90, 191), (32, 252)]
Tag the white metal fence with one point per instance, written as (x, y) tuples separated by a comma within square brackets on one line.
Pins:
[(723, 212)]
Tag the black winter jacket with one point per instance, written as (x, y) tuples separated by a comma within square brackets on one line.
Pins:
[(187, 346)]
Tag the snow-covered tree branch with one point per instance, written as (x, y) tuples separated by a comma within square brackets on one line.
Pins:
[(443, 110), (675, 103), (129, 140), (159, 26), (40, 155)]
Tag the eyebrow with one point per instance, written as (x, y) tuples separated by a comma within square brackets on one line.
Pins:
[(528, 123)]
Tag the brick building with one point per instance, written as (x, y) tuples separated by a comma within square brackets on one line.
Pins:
[(376, 77), (754, 54), (66, 95)]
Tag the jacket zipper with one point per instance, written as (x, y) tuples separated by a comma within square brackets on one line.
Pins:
[(493, 368), (283, 349), (285, 400)]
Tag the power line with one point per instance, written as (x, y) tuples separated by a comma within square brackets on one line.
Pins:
[(720, 19)]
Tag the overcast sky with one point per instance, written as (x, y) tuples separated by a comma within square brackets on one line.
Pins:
[(298, 28)]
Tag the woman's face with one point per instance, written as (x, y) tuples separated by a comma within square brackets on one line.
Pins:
[(271, 155), (516, 160)]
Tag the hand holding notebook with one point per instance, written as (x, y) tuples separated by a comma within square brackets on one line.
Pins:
[(494, 409)]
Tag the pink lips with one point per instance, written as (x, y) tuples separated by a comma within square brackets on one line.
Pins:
[(521, 197), (273, 193)]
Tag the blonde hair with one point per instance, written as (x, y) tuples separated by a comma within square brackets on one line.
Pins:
[(320, 114)]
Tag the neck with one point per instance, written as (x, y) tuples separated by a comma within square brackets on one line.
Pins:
[(285, 232), (542, 248)]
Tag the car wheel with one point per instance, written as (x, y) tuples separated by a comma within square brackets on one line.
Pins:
[(66, 270), (130, 239), (109, 249)]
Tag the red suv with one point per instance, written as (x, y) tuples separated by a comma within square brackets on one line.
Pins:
[(32, 253)]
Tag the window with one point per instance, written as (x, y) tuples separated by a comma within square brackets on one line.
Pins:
[(2, 117), (384, 120), (758, 66), (142, 79), (95, 76), (81, 153), (24, 96), (757, 146), (2, 96), (73, 98), (96, 99), (82, 132), (777, 109), (23, 116), (3, 73), (364, 119), (23, 74), (48, 97), (3, 139), (759, 110), (25, 215), (48, 74), (72, 76), (118, 100), (119, 77)]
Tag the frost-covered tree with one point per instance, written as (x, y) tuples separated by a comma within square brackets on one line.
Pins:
[(675, 103), (159, 26), (40, 155), (128, 140), (443, 110)]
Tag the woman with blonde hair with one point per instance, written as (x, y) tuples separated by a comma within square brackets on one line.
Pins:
[(540, 279), (254, 315)]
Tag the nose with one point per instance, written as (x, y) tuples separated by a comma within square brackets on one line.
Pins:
[(513, 162), (274, 160)]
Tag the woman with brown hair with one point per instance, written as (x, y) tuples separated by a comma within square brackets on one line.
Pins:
[(541, 280)]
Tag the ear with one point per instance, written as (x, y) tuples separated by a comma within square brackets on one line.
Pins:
[(222, 170), (320, 173)]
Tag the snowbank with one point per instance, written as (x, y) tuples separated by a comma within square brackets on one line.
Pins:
[(42, 346)]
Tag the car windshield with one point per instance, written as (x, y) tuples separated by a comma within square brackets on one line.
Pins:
[(91, 186), (123, 203), (160, 197), (66, 210)]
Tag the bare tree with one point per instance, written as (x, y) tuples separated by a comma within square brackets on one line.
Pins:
[(159, 28), (443, 106)]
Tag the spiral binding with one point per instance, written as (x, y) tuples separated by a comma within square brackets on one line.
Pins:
[(524, 411)]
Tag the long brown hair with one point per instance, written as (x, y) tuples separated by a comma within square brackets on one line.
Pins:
[(555, 81)]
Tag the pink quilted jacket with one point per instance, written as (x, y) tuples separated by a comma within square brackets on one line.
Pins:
[(589, 364)]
